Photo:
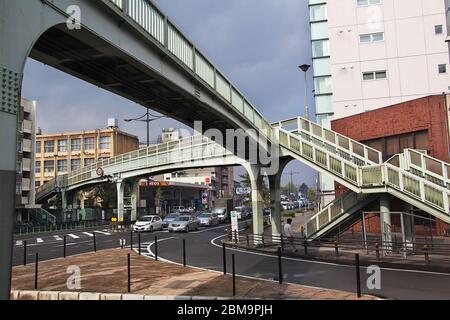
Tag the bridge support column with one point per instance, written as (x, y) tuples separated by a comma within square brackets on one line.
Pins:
[(120, 185), (256, 181), (134, 200), (408, 227), (64, 195), (385, 221)]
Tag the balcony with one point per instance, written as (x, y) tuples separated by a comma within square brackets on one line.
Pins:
[(27, 126), (26, 184), (27, 145), (26, 164)]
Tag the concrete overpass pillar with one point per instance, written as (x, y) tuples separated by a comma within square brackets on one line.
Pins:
[(408, 227), (385, 221), (275, 199), (120, 185), (134, 200), (64, 195), (256, 181)]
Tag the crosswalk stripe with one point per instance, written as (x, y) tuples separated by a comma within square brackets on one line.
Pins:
[(102, 232), (19, 242), (58, 238), (39, 240), (88, 234), (73, 236)]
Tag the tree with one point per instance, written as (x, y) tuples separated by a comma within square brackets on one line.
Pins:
[(311, 194), (105, 194), (158, 200), (303, 189)]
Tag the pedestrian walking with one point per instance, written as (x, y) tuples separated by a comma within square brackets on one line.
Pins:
[(287, 230)]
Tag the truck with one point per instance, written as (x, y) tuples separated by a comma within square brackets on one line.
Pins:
[(223, 207)]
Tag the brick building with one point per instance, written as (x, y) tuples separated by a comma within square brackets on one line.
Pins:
[(421, 124)]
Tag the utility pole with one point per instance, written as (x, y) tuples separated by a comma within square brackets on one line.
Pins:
[(305, 68)]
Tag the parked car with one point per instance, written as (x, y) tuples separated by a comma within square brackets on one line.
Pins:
[(242, 212), (148, 223), (208, 219), (221, 213), (179, 209), (169, 218), (184, 223), (266, 214)]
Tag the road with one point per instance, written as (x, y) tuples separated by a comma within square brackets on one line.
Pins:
[(204, 250)]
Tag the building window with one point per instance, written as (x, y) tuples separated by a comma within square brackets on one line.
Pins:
[(375, 75), (371, 37), (38, 147), (62, 145), (19, 167), (318, 12), (49, 146), (37, 184), (75, 164), (37, 167), (322, 85), (442, 68), (19, 147), (49, 166), (438, 29), (321, 48), (89, 161), (18, 188), (75, 144), (367, 2), (105, 142), (62, 165), (89, 143)]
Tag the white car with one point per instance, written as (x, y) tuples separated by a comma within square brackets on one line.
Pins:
[(179, 209), (148, 223)]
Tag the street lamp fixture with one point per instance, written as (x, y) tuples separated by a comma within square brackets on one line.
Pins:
[(305, 68)]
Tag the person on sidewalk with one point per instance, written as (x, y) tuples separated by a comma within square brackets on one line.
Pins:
[(287, 230)]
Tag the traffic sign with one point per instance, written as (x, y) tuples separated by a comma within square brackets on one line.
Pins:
[(244, 190), (234, 225)]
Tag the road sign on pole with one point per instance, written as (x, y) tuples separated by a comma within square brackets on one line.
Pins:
[(244, 190), (234, 225)]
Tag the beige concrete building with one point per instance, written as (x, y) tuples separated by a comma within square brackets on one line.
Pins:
[(64, 152), (25, 156)]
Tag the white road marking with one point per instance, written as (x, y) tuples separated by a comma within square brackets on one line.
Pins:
[(39, 240), (19, 242), (73, 236), (58, 238), (88, 234), (102, 232)]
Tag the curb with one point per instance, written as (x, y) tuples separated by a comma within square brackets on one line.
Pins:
[(69, 295)]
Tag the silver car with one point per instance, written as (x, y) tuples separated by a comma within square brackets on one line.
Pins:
[(184, 223), (208, 219), (168, 219)]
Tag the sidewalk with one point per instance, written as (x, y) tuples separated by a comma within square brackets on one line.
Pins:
[(106, 272)]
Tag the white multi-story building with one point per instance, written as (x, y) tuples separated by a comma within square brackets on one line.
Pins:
[(369, 54)]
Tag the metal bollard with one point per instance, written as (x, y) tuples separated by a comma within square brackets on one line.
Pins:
[(131, 239), (305, 244), (235, 237), (280, 271), (425, 251), (25, 252), (65, 242), (262, 239), (358, 276), (234, 274), (377, 250), (36, 270), (95, 242), (156, 248), (129, 273), (139, 243), (336, 248), (282, 242), (224, 255), (184, 252), (247, 240)]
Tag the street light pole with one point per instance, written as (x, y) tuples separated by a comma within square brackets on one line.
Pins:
[(147, 120), (305, 68)]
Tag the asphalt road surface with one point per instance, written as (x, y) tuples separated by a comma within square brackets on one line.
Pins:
[(204, 250)]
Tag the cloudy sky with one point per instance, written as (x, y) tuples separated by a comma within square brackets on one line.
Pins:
[(258, 44)]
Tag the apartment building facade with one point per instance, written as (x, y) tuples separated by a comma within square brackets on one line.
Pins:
[(65, 152), (25, 156), (369, 54)]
